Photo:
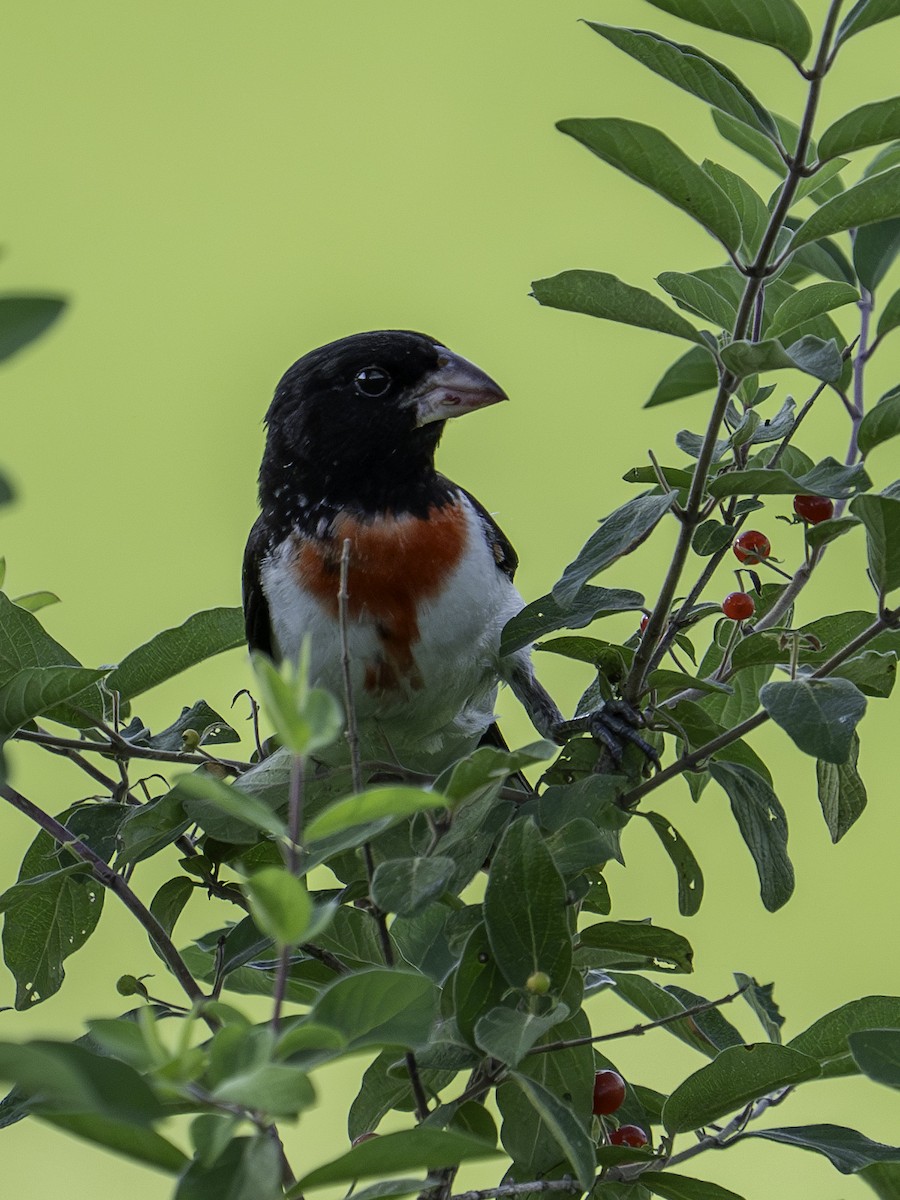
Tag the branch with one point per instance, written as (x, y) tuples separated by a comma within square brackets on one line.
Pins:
[(889, 619), (521, 1189), (110, 879), (756, 274), (125, 749), (637, 1030)]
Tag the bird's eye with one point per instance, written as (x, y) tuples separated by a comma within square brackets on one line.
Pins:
[(372, 381)]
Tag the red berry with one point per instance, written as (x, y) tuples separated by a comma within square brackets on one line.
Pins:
[(644, 620), (751, 547), (629, 1135), (814, 509), (609, 1092), (738, 606)]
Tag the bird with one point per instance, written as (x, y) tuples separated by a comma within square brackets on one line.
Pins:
[(349, 456)]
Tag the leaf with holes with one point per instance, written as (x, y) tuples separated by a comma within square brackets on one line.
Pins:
[(690, 877)]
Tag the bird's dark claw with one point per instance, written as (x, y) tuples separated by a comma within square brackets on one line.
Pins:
[(615, 725)]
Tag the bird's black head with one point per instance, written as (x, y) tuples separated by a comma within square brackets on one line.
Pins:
[(356, 423)]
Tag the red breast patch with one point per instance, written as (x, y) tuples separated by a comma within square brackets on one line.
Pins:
[(395, 563)]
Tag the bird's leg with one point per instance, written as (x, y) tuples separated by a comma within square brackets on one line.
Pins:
[(613, 725)]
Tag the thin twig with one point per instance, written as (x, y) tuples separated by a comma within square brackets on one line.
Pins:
[(637, 1030), (387, 949), (110, 879), (343, 619), (295, 824), (126, 749)]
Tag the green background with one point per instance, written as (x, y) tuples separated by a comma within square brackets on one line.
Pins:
[(219, 187)]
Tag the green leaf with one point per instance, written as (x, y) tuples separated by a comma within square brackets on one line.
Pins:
[(874, 249), (280, 905), (880, 423), (397, 1152), (873, 199), (174, 650), (694, 372), (873, 673), (68, 1077), (697, 296), (620, 533), (225, 813), (820, 715), (826, 1040), (763, 825), (381, 803), (816, 357), (525, 909), (247, 1169), (34, 690), (750, 141), (680, 1187), (827, 478), (809, 303), (890, 320), (844, 1148), (35, 601), (25, 643), (379, 1007), (150, 828), (407, 885), (865, 126), (24, 318), (661, 949), (760, 998), (690, 877), (47, 918), (749, 204), (598, 294), (881, 517), (477, 983), (169, 903), (777, 23), (877, 1054), (693, 71), (132, 1141), (305, 719), (842, 793), (656, 1002), (710, 537), (507, 1034), (829, 531), (211, 729), (736, 1076), (883, 1179), (273, 1088), (864, 14), (651, 158), (565, 1129), (546, 615)]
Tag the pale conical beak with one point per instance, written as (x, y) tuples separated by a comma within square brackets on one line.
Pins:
[(455, 388)]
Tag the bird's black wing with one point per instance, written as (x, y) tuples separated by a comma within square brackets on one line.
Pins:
[(504, 553), (257, 621)]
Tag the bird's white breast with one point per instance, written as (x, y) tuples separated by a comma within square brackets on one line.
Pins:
[(447, 694)]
